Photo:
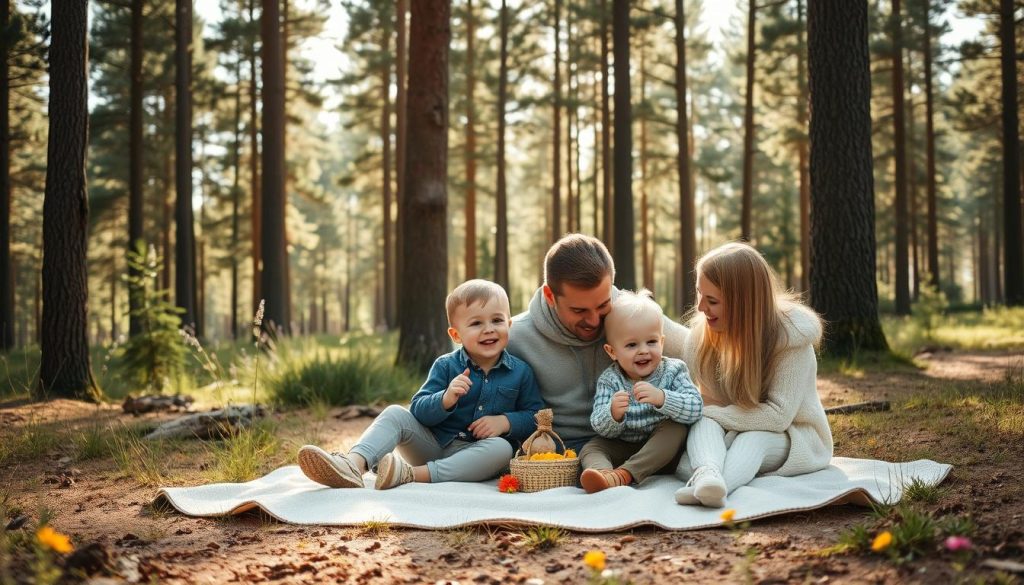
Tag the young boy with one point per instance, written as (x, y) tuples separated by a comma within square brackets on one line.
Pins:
[(477, 402), (643, 401)]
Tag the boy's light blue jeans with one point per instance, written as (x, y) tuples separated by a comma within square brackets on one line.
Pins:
[(396, 427)]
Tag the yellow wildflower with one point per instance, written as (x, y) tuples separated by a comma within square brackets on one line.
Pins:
[(570, 454), (727, 515), (594, 559), (882, 541), (55, 540)]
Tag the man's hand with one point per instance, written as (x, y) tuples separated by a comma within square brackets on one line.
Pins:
[(620, 402), (490, 426), (457, 389), (648, 394)]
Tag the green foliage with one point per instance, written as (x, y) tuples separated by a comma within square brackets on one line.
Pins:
[(245, 454), (543, 537), (142, 460), (30, 442), (156, 356), (915, 533), (320, 376), (991, 328), (921, 491), (929, 308)]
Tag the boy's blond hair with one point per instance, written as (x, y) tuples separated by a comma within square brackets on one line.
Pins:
[(630, 307), (471, 292)]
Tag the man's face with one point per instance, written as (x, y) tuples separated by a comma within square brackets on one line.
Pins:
[(582, 310)]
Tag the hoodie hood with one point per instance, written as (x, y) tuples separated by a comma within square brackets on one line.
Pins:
[(545, 319), (803, 326)]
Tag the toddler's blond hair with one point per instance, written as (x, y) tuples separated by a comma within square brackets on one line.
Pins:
[(631, 307)]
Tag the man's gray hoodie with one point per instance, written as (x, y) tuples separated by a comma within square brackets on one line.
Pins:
[(567, 368)]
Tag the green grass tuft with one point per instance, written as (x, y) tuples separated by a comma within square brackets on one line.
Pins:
[(245, 454), (322, 376), (543, 537), (142, 460), (922, 492)]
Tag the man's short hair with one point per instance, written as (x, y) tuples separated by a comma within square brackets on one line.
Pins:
[(580, 260), (472, 292)]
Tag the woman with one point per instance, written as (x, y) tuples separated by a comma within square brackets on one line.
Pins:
[(751, 351)]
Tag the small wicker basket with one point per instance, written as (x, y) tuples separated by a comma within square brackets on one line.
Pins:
[(535, 476)]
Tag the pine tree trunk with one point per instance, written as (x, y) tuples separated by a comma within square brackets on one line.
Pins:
[(236, 162), (273, 283), (556, 138), (915, 282), (64, 369), (900, 180), (608, 221), (843, 285), (933, 229), (646, 264), (184, 240), (401, 141), (387, 223), (470, 150), (501, 205), (136, 211), (254, 160), (1013, 253), (424, 204), (624, 248), (748, 125), (6, 267), (686, 295), (802, 154)]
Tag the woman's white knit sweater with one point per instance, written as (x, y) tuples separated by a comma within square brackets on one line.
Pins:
[(791, 404)]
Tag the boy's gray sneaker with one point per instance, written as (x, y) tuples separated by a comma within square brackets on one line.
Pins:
[(331, 469), (392, 472)]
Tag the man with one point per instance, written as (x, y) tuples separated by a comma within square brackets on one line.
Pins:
[(561, 334)]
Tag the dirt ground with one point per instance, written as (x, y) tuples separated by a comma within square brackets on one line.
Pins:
[(95, 503)]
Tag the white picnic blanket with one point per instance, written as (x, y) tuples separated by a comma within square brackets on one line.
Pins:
[(286, 494)]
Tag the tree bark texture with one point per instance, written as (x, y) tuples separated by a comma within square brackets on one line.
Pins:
[(401, 139), (1013, 253), (254, 160), (933, 229), (748, 124), (624, 246), (387, 222), (900, 179), (6, 266), (424, 204), (64, 369), (608, 221), (470, 147), (843, 288), (136, 155), (273, 283), (185, 238), (501, 221), (687, 210), (556, 138)]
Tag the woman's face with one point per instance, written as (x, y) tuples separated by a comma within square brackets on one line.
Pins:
[(711, 303)]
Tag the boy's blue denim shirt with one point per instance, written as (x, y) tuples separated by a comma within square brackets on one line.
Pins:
[(510, 388)]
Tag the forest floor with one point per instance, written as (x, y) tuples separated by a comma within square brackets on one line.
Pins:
[(963, 408)]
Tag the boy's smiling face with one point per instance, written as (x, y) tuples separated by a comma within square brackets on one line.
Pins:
[(636, 344), (482, 329)]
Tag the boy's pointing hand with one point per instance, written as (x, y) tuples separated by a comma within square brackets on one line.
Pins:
[(457, 389)]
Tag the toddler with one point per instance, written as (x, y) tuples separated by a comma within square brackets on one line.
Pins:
[(643, 401)]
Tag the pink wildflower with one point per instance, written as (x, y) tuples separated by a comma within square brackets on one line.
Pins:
[(958, 543)]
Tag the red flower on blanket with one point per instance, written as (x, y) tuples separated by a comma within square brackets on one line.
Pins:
[(508, 484)]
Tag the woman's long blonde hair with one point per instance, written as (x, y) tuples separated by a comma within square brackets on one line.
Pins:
[(738, 364)]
